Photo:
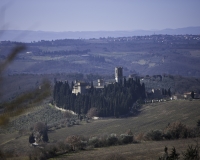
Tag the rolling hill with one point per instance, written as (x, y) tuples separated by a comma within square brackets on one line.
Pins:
[(152, 116)]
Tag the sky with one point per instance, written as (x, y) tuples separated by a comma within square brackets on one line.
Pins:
[(98, 15)]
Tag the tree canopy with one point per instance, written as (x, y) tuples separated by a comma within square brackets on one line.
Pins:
[(114, 100)]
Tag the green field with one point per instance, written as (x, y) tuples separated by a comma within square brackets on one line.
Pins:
[(152, 116), (140, 151)]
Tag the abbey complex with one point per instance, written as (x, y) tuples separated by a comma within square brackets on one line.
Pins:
[(113, 99)]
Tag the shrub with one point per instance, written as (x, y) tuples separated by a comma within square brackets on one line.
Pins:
[(193, 132), (176, 130), (125, 138), (77, 122), (67, 114), (191, 153), (92, 112), (173, 155), (112, 140), (165, 156), (74, 142), (51, 150), (155, 135), (129, 132), (140, 137), (63, 147), (38, 153), (83, 145), (72, 123), (101, 141), (69, 125), (94, 141)]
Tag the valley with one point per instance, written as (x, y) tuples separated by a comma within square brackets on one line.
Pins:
[(158, 61), (143, 55)]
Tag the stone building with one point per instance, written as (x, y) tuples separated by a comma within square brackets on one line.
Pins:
[(100, 82), (79, 87), (118, 74)]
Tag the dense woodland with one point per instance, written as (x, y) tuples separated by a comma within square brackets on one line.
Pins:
[(114, 100)]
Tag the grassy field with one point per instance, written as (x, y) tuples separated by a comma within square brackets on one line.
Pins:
[(152, 116), (140, 151)]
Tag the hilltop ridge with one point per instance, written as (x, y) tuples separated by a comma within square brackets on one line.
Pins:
[(28, 35)]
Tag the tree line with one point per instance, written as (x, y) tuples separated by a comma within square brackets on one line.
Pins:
[(113, 100), (62, 52)]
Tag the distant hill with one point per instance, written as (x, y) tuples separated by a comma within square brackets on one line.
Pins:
[(28, 36), (152, 55)]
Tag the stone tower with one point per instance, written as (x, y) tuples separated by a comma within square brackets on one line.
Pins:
[(118, 74)]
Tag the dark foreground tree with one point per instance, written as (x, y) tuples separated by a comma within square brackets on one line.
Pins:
[(192, 94), (191, 153), (198, 123), (45, 137), (174, 155)]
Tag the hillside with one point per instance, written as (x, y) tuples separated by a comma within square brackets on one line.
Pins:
[(140, 151), (144, 55), (14, 85), (152, 116)]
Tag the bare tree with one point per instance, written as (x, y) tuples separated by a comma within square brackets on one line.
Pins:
[(40, 127), (92, 112), (74, 142)]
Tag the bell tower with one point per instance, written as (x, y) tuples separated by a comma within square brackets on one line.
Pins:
[(118, 74)]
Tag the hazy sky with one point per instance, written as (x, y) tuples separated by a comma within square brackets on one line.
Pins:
[(96, 15)]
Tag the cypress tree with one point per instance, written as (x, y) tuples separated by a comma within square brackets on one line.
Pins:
[(114, 100), (45, 137), (192, 94), (31, 139)]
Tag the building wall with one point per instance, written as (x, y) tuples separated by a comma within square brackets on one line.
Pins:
[(100, 82), (157, 93), (79, 87)]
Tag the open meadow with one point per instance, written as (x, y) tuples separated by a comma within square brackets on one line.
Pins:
[(153, 116), (150, 150)]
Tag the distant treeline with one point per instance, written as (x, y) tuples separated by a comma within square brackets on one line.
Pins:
[(63, 52), (58, 42), (96, 58), (114, 100)]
